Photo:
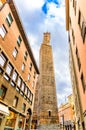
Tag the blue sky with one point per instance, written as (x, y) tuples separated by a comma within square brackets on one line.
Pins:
[(42, 16)]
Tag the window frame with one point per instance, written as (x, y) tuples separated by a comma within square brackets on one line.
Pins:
[(29, 76), (83, 31), (9, 69), (83, 82), (15, 52), (19, 82), (14, 76), (30, 66), (4, 59), (15, 101), (23, 66), (9, 19), (23, 107), (19, 40), (4, 91), (3, 31)]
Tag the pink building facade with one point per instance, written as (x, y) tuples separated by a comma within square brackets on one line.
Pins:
[(76, 25)]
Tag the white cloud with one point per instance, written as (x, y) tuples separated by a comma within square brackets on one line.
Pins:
[(58, 13), (30, 5), (32, 39)]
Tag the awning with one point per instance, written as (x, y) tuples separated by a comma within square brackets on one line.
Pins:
[(4, 109)]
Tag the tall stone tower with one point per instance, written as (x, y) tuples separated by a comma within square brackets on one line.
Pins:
[(48, 111)]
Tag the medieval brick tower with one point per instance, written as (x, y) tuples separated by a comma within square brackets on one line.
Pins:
[(45, 112), (48, 111)]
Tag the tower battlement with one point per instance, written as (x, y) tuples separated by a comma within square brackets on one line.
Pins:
[(46, 38)]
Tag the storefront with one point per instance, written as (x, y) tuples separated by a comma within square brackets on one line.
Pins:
[(14, 120), (4, 111), (10, 121)]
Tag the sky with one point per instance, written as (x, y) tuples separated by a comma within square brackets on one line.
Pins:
[(38, 17)]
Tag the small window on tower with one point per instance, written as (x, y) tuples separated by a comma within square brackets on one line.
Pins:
[(49, 113)]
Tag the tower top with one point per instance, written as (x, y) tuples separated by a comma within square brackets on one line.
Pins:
[(46, 39)]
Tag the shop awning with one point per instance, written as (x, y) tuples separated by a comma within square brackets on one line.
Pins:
[(4, 109)]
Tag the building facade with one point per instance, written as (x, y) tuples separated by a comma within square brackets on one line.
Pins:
[(67, 115), (18, 70), (76, 25), (47, 100)]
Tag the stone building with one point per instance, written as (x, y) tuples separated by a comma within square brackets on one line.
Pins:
[(18, 70), (46, 110), (76, 25)]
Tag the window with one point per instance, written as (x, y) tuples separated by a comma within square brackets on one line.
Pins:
[(83, 31), (28, 93), (73, 36), (78, 59), (9, 19), (23, 86), (1, 70), (23, 107), (25, 55), (23, 67), (15, 52), (15, 101), (17, 89), (69, 38), (30, 66), (19, 40), (6, 77), (14, 76), (3, 60), (29, 77), (49, 113), (33, 84), (70, 21), (3, 91), (74, 5), (3, 31), (26, 90), (31, 97), (34, 75), (83, 82), (13, 84), (82, 25), (9, 69), (79, 17), (19, 82)]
